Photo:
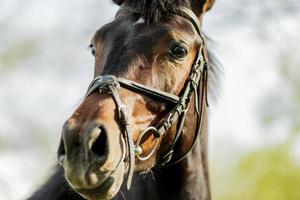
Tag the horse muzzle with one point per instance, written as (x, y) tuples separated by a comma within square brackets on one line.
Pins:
[(93, 161)]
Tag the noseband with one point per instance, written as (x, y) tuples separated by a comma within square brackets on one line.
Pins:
[(196, 82)]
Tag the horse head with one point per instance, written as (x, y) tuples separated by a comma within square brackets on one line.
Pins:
[(145, 104)]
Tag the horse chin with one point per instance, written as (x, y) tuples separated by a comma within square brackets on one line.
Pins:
[(108, 189)]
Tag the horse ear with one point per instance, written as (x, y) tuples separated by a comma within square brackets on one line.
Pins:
[(200, 7), (119, 2)]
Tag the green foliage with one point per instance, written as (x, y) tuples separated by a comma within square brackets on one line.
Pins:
[(266, 174), (3, 143), (282, 103), (271, 173), (17, 53)]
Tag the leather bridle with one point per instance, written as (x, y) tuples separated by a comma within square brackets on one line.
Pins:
[(195, 83)]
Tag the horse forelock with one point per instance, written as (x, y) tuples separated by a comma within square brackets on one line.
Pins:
[(153, 10)]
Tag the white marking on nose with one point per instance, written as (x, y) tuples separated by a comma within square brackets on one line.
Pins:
[(140, 21)]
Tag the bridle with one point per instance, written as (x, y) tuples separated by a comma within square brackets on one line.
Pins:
[(195, 83)]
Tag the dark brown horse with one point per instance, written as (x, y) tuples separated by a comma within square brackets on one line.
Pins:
[(141, 131)]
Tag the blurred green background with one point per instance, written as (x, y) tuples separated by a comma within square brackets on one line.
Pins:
[(45, 68)]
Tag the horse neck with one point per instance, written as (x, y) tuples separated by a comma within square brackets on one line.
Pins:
[(188, 179)]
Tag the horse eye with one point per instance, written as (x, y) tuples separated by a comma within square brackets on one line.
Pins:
[(93, 49), (178, 51)]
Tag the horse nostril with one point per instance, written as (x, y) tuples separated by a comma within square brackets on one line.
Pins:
[(98, 143)]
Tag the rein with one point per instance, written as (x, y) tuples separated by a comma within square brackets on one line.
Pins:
[(195, 83)]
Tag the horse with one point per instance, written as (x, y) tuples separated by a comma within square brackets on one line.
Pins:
[(141, 130)]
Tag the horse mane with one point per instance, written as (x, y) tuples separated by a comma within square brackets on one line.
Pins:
[(153, 10), (216, 71)]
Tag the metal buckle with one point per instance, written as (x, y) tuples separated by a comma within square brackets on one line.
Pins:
[(167, 158), (138, 148), (122, 112), (169, 119)]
